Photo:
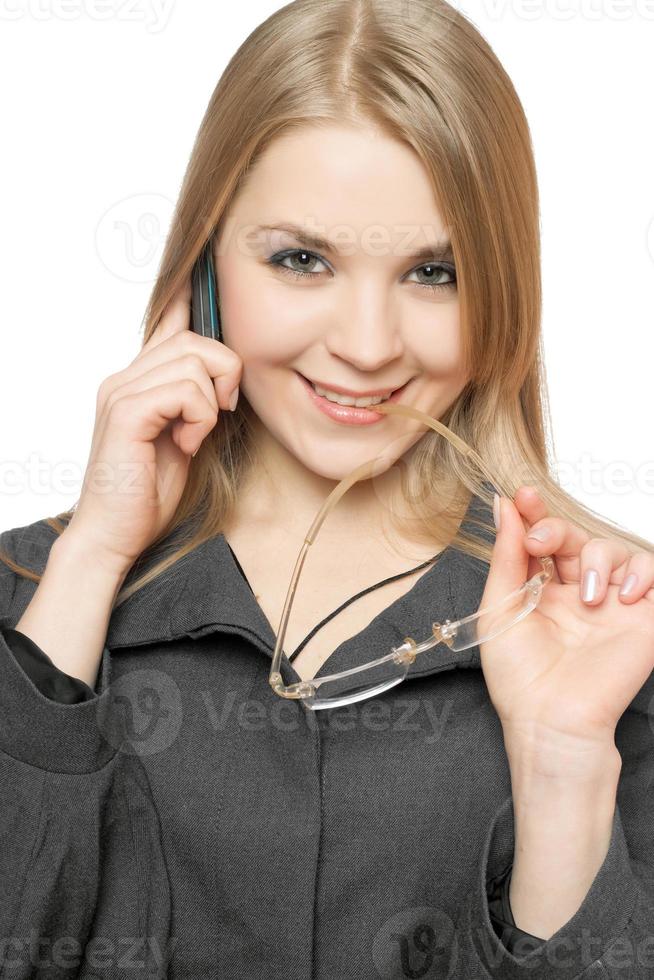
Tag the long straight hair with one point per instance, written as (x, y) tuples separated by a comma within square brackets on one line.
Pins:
[(419, 72)]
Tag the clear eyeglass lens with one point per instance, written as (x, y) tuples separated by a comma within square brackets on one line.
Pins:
[(357, 686), (381, 677), (487, 625)]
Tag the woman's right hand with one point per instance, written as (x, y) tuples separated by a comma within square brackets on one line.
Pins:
[(150, 419)]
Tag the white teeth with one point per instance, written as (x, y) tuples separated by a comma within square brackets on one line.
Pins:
[(346, 400)]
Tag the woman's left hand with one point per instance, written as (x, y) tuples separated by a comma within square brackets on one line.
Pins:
[(563, 676)]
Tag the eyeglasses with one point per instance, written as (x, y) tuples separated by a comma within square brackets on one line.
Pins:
[(374, 677)]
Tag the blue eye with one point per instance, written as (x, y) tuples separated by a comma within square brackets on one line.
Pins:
[(437, 268)]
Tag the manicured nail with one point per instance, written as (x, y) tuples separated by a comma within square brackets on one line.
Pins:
[(629, 584), (233, 399), (496, 511), (540, 534), (591, 585)]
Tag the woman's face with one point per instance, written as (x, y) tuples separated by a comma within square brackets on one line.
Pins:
[(366, 312)]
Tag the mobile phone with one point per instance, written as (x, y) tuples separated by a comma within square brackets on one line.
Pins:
[(205, 318)]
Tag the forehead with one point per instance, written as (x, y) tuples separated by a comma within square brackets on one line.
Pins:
[(333, 177)]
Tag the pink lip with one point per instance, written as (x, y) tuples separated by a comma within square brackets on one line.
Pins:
[(348, 413)]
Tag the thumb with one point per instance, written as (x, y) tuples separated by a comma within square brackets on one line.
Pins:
[(509, 560)]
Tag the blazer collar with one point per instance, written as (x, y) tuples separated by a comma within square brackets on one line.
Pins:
[(204, 592)]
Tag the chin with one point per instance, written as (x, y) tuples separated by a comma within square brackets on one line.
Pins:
[(330, 466)]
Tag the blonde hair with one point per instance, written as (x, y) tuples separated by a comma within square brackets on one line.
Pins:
[(419, 72)]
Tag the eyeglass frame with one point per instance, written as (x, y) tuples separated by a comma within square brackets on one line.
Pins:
[(442, 632)]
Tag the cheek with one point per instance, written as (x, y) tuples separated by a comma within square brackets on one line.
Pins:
[(437, 343), (256, 324)]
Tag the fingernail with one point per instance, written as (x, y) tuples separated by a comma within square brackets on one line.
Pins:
[(233, 399), (540, 534), (496, 511), (629, 584), (591, 584)]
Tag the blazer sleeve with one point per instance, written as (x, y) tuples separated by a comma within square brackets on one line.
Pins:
[(502, 920), (611, 935), (52, 682), (82, 864)]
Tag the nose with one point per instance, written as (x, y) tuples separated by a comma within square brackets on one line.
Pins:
[(365, 329)]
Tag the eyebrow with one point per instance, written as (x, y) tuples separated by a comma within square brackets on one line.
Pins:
[(438, 252)]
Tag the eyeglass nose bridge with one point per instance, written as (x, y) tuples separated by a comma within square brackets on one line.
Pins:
[(442, 632)]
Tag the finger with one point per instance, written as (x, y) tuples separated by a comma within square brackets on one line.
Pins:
[(593, 562), (180, 370), (175, 318), (553, 536), (602, 561), (530, 503), (533, 509), (638, 577), (223, 365), (147, 412), (509, 561)]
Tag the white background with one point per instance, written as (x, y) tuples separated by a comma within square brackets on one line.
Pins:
[(101, 104)]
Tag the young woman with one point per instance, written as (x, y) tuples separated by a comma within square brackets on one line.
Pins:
[(365, 177)]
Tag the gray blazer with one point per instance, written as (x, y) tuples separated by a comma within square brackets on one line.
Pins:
[(187, 822)]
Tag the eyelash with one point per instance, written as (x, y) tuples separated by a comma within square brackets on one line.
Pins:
[(276, 261)]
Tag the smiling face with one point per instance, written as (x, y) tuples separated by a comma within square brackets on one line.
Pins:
[(363, 299)]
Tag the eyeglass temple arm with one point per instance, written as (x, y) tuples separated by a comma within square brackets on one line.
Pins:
[(364, 471)]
